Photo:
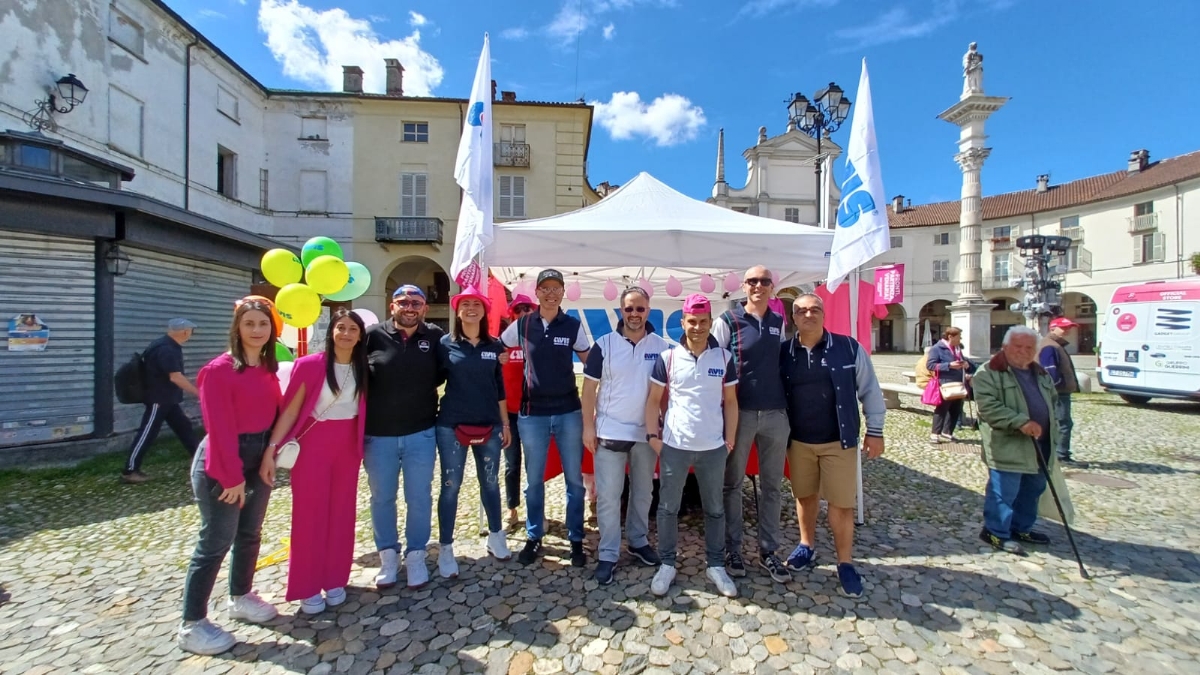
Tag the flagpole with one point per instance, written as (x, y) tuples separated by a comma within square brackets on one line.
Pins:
[(860, 517)]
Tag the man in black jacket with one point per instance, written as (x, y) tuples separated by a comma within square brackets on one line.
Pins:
[(165, 383)]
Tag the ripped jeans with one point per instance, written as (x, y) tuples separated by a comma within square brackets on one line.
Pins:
[(453, 458)]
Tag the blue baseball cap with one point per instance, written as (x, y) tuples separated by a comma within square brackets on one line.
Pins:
[(408, 289)]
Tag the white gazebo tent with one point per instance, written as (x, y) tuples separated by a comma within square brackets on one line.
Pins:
[(647, 230)]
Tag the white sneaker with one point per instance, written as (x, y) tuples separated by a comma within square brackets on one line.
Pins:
[(313, 605), (724, 584), (204, 637), (447, 565), (335, 597), (388, 564), (935, 439), (418, 573), (497, 546), (250, 607), (662, 580)]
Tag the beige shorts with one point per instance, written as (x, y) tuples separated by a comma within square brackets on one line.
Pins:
[(827, 467)]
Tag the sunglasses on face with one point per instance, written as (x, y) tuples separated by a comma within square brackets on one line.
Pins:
[(758, 281), (631, 310), (522, 309), (405, 304), (815, 311)]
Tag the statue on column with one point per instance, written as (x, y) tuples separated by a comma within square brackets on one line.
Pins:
[(972, 71)]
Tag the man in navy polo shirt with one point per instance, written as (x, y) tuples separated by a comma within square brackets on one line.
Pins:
[(696, 435), (752, 332), (550, 408), (165, 384)]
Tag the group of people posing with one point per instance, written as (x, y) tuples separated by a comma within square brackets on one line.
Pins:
[(735, 384)]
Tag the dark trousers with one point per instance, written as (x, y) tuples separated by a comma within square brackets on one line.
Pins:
[(225, 526), (512, 464), (1062, 411), (945, 416), (152, 420)]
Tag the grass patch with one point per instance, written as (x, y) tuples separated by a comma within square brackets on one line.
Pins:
[(164, 454)]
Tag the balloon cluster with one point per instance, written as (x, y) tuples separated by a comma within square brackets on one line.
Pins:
[(325, 273)]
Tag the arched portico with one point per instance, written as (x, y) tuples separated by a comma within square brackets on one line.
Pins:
[(426, 274)]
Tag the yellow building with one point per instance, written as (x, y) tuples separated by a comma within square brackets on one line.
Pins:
[(406, 201)]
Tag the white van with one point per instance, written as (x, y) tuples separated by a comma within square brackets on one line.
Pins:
[(1150, 344)]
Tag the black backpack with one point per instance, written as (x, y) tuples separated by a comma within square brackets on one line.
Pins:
[(130, 380)]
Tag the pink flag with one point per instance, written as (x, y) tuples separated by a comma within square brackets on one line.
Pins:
[(889, 284)]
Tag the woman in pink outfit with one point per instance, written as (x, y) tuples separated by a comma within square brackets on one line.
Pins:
[(325, 408)]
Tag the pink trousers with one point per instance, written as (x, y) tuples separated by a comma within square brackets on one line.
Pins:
[(324, 509)]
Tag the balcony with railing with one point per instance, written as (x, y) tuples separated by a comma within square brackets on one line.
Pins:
[(510, 154), (1002, 243), (996, 282), (1075, 234), (409, 230), (1144, 222)]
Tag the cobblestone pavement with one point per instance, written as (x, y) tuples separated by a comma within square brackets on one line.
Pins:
[(91, 571)]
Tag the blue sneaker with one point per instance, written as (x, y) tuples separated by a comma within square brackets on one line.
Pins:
[(851, 582), (802, 556)]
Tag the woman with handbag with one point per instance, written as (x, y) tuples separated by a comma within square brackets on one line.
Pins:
[(953, 370), (473, 413), (239, 399), (322, 422)]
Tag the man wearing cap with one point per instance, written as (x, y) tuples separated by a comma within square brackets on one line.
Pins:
[(615, 386), (402, 410), (1053, 356), (164, 385), (752, 333), (514, 377), (697, 433), (550, 408)]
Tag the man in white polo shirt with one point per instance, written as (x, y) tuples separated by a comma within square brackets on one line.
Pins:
[(696, 435), (616, 383)]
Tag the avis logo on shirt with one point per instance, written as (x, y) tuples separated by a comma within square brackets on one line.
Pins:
[(562, 342), (773, 330), (650, 357), (716, 372), (488, 356)]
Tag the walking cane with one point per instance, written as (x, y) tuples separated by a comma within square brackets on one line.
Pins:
[(1054, 493)]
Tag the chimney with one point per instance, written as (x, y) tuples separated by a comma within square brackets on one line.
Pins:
[(395, 77), (1138, 161), (508, 96), (1043, 182), (352, 79), (897, 203), (908, 203)]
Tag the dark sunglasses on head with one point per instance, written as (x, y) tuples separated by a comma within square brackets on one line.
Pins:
[(759, 281), (631, 310)]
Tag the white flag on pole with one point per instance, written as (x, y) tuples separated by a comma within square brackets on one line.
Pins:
[(473, 172), (862, 224)]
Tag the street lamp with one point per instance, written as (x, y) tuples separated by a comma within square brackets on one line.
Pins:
[(820, 117), (69, 91)]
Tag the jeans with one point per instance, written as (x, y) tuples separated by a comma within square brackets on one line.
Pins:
[(1062, 411), (512, 463), (224, 526), (1010, 501), (945, 416), (384, 458), (567, 431), (152, 421), (610, 483), (453, 457), (770, 429), (673, 466)]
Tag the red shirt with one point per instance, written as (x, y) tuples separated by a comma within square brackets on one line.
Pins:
[(234, 403), (514, 378)]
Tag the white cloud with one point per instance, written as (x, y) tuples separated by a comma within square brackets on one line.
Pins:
[(669, 119), (609, 31), (312, 46), (517, 33), (894, 25), (209, 14), (568, 23), (764, 7), (416, 20), (575, 18)]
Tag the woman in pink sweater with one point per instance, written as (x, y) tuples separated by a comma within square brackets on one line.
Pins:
[(239, 398), (325, 408)]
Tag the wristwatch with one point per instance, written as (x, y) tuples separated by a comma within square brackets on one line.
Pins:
[(651, 436)]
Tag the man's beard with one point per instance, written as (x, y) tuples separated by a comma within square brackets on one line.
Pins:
[(405, 321)]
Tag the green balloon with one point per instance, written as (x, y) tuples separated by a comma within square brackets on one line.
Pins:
[(282, 353), (360, 281), (319, 246)]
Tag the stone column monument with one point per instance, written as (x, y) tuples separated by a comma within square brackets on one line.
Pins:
[(971, 311)]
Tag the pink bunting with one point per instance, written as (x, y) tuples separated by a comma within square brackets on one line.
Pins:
[(645, 285), (732, 282)]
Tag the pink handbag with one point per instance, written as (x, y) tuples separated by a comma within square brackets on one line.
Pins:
[(933, 392)]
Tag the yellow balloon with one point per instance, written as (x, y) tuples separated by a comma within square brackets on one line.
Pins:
[(298, 304), (326, 274), (281, 267)]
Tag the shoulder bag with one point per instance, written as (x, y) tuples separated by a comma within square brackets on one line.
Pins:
[(953, 391)]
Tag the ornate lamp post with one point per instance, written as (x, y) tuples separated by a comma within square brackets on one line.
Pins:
[(819, 118), (68, 93)]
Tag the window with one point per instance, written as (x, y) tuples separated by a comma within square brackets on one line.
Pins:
[(1002, 232), (741, 209), (126, 119), (512, 133), (1000, 268), (1143, 209), (941, 270), (1076, 259), (897, 241), (263, 185), (1068, 222), (227, 103), (1149, 247), (314, 129), (414, 195), (416, 132), (512, 196), (86, 172), (943, 238), (791, 214), (313, 197), (35, 157), (226, 172), (126, 32)]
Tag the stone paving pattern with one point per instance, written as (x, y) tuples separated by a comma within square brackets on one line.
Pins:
[(91, 574)]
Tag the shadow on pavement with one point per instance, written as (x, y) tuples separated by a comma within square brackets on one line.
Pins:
[(1136, 467)]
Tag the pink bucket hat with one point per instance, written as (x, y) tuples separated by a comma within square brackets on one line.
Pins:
[(520, 299), (696, 304), (471, 292)]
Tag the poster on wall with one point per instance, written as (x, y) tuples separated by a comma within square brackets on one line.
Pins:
[(27, 333)]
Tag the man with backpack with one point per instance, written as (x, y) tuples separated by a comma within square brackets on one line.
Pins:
[(163, 384)]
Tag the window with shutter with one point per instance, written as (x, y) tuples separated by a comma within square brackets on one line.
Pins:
[(406, 195), (1085, 261), (512, 197), (506, 196), (1158, 247), (414, 195)]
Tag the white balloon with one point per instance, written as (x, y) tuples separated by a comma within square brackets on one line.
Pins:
[(285, 375), (367, 316)]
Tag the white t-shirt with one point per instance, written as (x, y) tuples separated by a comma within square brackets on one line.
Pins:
[(345, 405), (622, 369), (696, 392)]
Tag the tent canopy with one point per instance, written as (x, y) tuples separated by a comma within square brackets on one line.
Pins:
[(647, 230)]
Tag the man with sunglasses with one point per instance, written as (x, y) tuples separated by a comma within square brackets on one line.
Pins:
[(550, 408), (753, 333), (401, 411), (615, 386)]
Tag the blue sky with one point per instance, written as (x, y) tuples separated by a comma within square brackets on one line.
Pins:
[(1090, 80)]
